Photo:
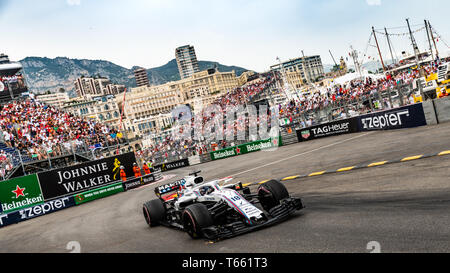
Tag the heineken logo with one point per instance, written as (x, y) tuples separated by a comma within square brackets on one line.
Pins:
[(259, 146), (19, 192), (79, 197), (15, 205), (246, 148), (224, 154), (275, 142)]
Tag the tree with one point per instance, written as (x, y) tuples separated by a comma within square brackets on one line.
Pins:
[(62, 90)]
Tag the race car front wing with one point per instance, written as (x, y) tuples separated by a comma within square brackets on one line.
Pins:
[(276, 215)]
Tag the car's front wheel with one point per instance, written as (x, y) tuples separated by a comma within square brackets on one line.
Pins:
[(195, 218), (271, 193)]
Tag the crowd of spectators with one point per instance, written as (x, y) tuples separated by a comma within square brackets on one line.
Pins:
[(172, 148), (14, 82), (6, 164), (351, 94), (38, 131), (357, 90)]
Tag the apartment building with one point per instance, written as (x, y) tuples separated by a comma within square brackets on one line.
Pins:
[(141, 77), (85, 86), (102, 109), (54, 99), (310, 68), (186, 61)]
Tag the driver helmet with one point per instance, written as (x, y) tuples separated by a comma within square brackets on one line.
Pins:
[(205, 190)]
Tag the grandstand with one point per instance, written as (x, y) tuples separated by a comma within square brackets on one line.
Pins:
[(36, 137)]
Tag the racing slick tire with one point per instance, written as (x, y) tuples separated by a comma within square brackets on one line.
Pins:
[(195, 218), (154, 212), (271, 193)]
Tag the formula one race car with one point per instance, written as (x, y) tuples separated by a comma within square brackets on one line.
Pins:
[(209, 210)]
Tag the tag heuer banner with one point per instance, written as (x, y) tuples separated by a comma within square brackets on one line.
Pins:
[(328, 129), (85, 177), (19, 193), (247, 148)]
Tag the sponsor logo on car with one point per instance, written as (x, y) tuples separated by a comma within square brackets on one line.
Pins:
[(172, 186)]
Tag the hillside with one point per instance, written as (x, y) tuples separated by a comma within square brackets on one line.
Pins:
[(44, 74)]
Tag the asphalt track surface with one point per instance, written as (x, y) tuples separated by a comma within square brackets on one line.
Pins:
[(405, 207)]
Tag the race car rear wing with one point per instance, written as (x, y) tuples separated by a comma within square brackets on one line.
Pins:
[(168, 188)]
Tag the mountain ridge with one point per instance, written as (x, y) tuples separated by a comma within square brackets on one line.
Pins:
[(43, 73)]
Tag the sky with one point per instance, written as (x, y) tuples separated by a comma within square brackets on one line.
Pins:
[(246, 33)]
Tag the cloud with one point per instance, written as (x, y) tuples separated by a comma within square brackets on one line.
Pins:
[(74, 2), (373, 2)]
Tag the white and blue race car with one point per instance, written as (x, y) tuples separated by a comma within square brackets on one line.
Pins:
[(212, 211)]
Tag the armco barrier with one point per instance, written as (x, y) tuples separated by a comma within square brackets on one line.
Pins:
[(442, 107), (247, 148), (430, 112)]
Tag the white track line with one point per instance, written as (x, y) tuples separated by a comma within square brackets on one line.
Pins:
[(287, 158)]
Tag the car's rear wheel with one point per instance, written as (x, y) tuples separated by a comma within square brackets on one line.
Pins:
[(195, 218), (154, 211), (271, 193)]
